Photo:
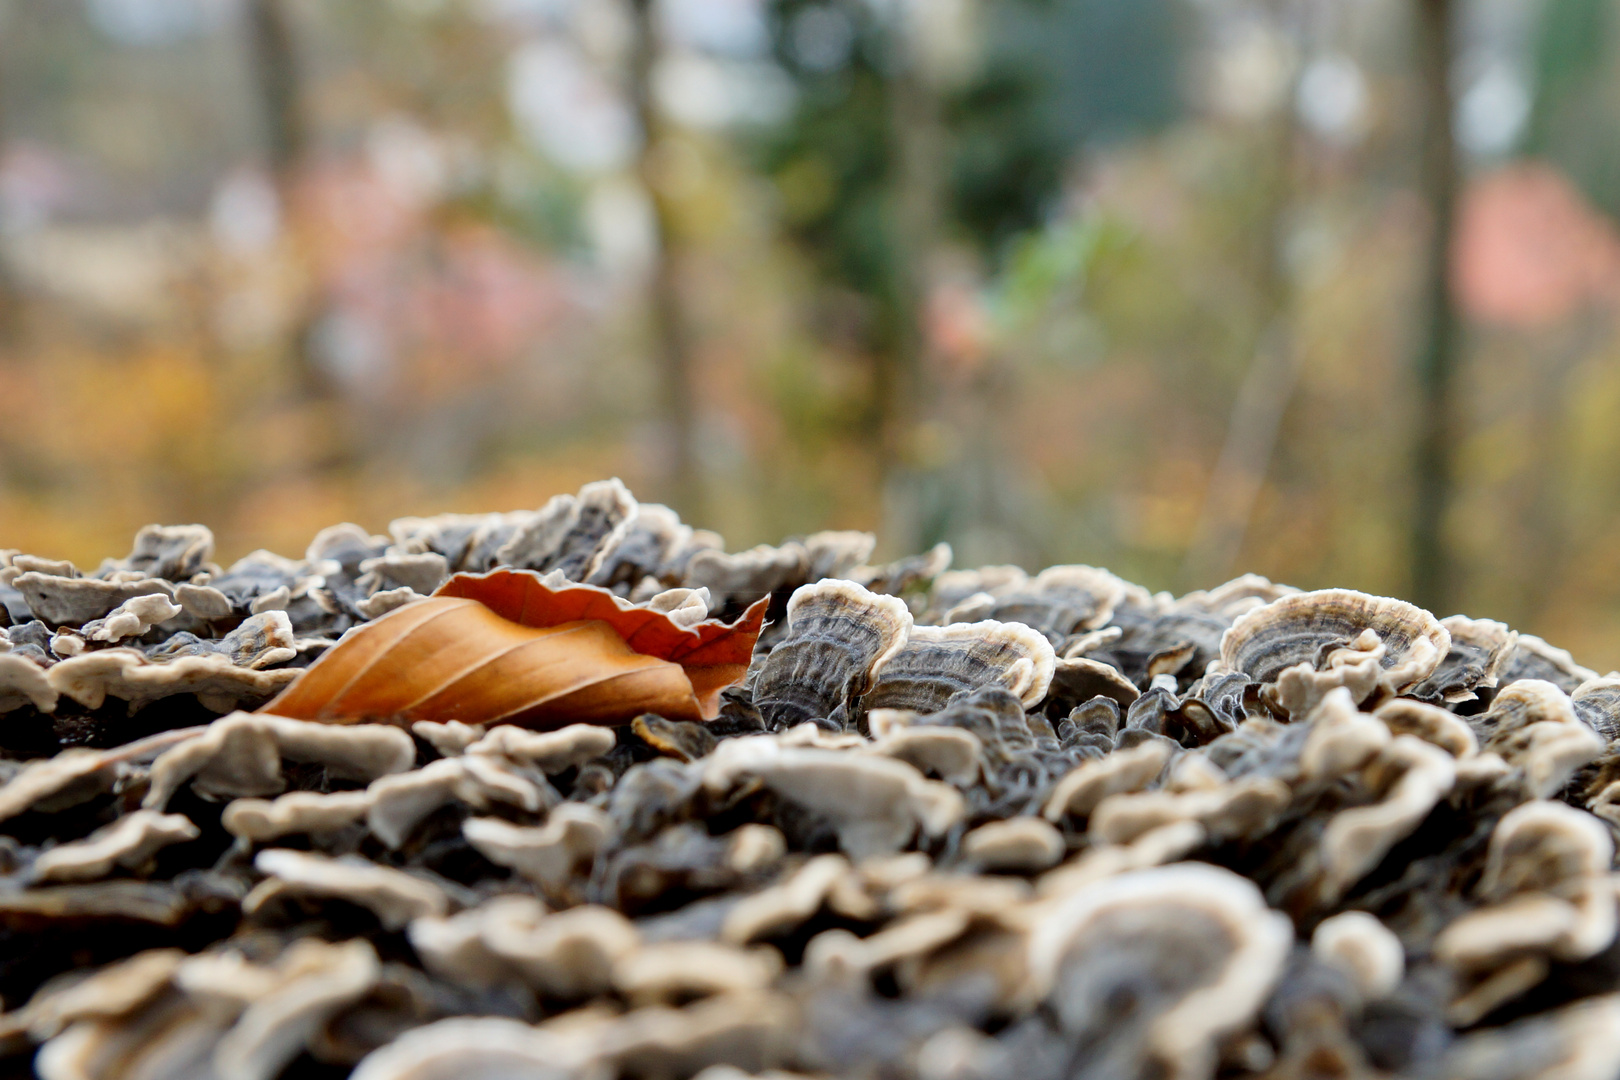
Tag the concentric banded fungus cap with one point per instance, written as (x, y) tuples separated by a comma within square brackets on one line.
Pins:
[(750, 1029), (549, 751), (785, 905), (1242, 809), (1080, 679), (952, 587), (421, 573), (939, 661), (904, 574), (1194, 946), (1234, 597), (217, 1016), (312, 812), (952, 754), (77, 775), (573, 835), (833, 553), (1533, 725), (1058, 601), (1414, 776), (314, 981), (235, 669), (1479, 650), (745, 576), (132, 618), (1176, 641), (572, 533), (567, 955), (1533, 658), (672, 971), (114, 991), (1597, 704), (1080, 791), (838, 634), (400, 802), (653, 535), (173, 552), (1307, 628)]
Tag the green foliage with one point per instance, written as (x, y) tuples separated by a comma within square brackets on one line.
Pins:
[(1572, 101), (1052, 265), (1052, 75)]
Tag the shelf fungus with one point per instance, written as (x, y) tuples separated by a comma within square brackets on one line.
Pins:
[(1532, 658), (70, 600), (1548, 896), (1480, 648), (1018, 845), (838, 635), (747, 576), (1574, 1042), (876, 804), (937, 662), (1058, 601), (241, 754), (394, 896), (1365, 948), (909, 574), (573, 836), (477, 1048), (1303, 645), (1233, 598), (1533, 726), (211, 1015), (1597, 703), (218, 681), (575, 793), (130, 842), (1192, 948)]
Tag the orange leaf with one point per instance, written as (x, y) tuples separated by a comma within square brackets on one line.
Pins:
[(505, 647), (714, 654)]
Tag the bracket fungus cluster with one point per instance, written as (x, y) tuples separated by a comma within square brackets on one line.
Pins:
[(575, 793)]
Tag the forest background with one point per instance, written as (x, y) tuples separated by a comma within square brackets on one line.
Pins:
[(1321, 289)]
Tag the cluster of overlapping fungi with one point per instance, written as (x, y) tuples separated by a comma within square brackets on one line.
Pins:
[(575, 793)]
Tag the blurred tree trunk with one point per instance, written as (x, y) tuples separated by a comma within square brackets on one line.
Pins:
[(1434, 466), (276, 76), (276, 70), (900, 387), (672, 337)]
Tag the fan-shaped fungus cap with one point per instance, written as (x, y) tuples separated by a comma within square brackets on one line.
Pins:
[(1203, 949), (1308, 628)]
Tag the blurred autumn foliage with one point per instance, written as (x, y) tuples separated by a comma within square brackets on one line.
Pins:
[(1137, 283)]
